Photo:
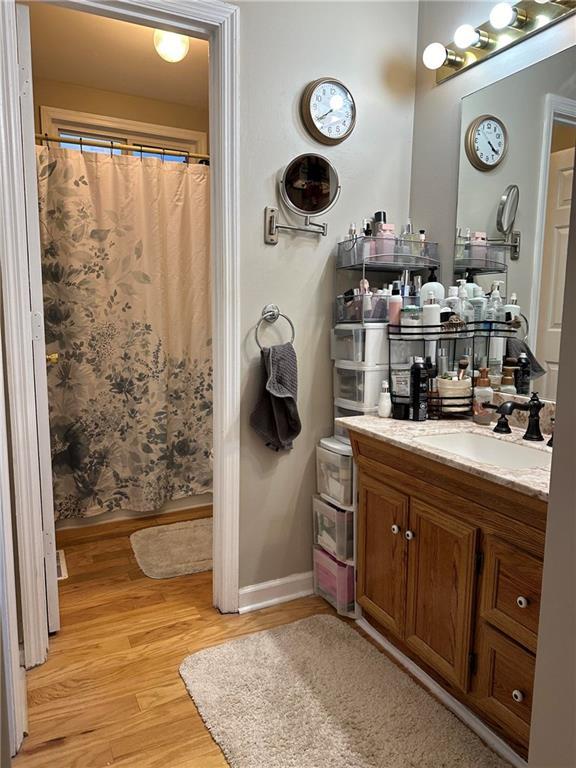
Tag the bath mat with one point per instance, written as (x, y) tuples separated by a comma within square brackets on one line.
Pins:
[(165, 551), (316, 694)]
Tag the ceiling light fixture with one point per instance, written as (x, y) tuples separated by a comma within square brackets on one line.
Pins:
[(505, 15), (467, 36), (171, 46), (437, 55)]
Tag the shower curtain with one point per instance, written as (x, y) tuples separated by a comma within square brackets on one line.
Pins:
[(126, 272)]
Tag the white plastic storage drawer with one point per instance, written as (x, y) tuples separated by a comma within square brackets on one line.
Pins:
[(360, 345), (334, 475), (359, 383), (334, 582), (333, 529), (342, 410)]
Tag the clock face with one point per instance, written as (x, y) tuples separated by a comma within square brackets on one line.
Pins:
[(486, 142), (328, 111)]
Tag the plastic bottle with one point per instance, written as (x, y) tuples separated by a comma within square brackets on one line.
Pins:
[(431, 315), (523, 374), (385, 233), (451, 300), (478, 248), (433, 285), (395, 305), (464, 308), (418, 409), (479, 302), (385, 402), (483, 393), (495, 308)]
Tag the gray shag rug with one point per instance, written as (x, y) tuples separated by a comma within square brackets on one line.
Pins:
[(165, 551), (316, 694)]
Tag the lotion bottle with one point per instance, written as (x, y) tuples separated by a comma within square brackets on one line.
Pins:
[(430, 314)]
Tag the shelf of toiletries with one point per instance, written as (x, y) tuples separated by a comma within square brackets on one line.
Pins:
[(411, 328), (379, 252), (475, 252)]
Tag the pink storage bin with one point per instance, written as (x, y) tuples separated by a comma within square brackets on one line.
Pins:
[(334, 581)]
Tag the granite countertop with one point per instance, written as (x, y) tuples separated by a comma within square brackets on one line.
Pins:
[(533, 482)]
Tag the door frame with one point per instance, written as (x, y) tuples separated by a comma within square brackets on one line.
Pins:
[(557, 109), (216, 22)]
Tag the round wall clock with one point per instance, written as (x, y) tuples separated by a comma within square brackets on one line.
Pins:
[(328, 110), (486, 142)]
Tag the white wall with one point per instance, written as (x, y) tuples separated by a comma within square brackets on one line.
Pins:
[(519, 100), (285, 45)]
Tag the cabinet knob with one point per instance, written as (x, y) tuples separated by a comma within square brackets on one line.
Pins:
[(409, 535), (522, 602), (395, 528), (518, 696)]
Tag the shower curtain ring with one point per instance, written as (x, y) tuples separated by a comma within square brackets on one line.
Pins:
[(81, 146), (141, 149), (111, 146)]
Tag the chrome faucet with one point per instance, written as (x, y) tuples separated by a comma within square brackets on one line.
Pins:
[(533, 406)]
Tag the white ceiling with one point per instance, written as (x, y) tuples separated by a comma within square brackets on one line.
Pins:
[(113, 55)]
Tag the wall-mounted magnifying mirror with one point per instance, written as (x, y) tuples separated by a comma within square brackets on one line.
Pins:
[(309, 186), (507, 208)]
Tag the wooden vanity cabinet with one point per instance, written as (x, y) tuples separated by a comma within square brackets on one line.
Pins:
[(449, 568)]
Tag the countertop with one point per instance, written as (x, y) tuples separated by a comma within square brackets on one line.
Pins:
[(532, 482)]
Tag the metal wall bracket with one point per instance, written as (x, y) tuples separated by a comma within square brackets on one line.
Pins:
[(272, 226), (515, 243)]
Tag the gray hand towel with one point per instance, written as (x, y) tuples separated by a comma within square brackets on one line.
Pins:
[(275, 417), (513, 349)]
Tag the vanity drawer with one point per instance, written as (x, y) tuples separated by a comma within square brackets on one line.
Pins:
[(511, 590), (504, 682)]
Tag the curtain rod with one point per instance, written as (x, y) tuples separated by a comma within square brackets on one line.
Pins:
[(111, 144)]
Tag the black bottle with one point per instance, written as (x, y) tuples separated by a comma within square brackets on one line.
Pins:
[(523, 374), (418, 410)]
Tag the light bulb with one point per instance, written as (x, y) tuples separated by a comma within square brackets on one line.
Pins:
[(541, 2), (502, 15), (466, 36), (434, 56), (170, 46)]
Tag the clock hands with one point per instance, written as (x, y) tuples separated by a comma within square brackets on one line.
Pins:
[(321, 117), (492, 147)]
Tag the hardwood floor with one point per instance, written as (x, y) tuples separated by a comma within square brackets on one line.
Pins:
[(110, 693)]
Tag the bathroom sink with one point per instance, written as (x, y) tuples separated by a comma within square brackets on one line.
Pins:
[(488, 450)]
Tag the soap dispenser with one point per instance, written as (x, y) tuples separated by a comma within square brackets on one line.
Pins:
[(483, 393), (464, 308)]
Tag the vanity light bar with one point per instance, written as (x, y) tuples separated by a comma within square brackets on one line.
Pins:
[(509, 24)]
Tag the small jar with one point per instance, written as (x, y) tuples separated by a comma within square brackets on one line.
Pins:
[(411, 318)]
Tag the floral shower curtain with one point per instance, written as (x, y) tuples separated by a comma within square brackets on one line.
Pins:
[(126, 270)]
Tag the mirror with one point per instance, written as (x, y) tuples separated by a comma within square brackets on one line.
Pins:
[(309, 185), (537, 109), (506, 215)]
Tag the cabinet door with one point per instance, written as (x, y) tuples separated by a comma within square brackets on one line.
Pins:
[(440, 601), (381, 587)]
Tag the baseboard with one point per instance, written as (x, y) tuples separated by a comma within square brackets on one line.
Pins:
[(268, 593), (462, 713), (188, 502)]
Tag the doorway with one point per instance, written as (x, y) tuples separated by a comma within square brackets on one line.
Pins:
[(553, 268), (215, 22)]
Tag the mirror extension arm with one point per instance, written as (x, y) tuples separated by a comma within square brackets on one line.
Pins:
[(272, 226)]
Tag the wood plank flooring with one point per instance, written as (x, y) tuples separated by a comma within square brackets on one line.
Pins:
[(110, 693)]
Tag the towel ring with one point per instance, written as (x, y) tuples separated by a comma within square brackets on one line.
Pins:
[(270, 314)]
